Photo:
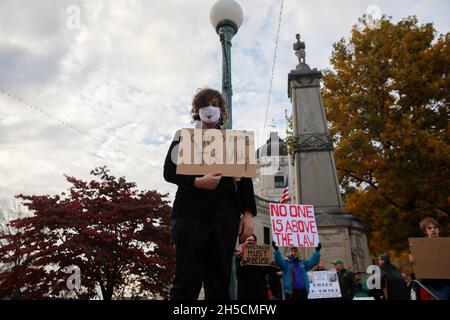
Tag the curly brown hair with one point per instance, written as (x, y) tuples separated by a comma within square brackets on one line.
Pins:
[(202, 99)]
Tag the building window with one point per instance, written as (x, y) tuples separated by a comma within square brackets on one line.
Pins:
[(279, 182), (266, 235)]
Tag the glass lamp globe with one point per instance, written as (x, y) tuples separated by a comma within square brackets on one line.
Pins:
[(226, 12)]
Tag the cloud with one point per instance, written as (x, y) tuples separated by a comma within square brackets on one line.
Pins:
[(115, 90)]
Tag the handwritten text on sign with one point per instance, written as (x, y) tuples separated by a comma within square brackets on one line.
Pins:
[(324, 284), (201, 151), (258, 255), (293, 225)]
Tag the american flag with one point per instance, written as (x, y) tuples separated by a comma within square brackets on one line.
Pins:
[(285, 197)]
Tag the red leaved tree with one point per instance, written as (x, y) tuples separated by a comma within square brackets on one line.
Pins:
[(116, 236)]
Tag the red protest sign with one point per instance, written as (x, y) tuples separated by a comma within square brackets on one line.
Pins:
[(293, 225)]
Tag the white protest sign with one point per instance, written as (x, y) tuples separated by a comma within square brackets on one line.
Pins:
[(323, 284), (293, 225)]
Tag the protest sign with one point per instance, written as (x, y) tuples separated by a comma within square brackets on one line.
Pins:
[(258, 255), (293, 225), (431, 257), (231, 152), (323, 284)]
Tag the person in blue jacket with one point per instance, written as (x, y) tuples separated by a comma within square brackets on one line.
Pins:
[(295, 278)]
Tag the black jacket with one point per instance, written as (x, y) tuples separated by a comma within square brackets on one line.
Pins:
[(193, 202), (347, 283), (393, 283)]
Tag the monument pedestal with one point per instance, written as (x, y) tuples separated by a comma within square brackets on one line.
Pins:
[(343, 236)]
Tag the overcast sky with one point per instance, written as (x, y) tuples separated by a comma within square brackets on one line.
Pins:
[(123, 82)]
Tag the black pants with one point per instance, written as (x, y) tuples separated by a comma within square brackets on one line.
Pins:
[(297, 294), (204, 253), (252, 284)]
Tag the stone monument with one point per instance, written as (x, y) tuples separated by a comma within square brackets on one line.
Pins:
[(314, 179)]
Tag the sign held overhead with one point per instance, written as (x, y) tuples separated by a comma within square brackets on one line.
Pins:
[(293, 225)]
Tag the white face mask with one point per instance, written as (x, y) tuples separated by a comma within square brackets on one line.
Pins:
[(209, 114)]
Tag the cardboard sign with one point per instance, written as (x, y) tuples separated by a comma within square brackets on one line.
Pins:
[(258, 255), (432, 257), (230, 152), (293, 225), (323, 284)]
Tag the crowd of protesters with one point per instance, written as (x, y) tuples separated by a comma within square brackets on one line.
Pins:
[(287, 278), (211, 211)]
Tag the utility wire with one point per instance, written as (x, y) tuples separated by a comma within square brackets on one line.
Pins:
[(273, 66), (71, 127)]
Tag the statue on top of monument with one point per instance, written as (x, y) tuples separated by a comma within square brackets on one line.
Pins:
[(299, 48)]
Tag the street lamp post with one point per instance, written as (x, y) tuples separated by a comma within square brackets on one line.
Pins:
[(226, 17)]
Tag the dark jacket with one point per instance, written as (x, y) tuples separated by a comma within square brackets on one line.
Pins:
[(253, 282), (193, 202), (392, 283), (347, 284), (274, 282)]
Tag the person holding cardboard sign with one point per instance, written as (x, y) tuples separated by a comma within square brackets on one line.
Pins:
[(439, 287), (254, 271), (209, 212)]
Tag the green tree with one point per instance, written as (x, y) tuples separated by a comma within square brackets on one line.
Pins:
[(387, 101)]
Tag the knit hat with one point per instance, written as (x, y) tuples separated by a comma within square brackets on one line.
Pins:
[(384, 257)]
